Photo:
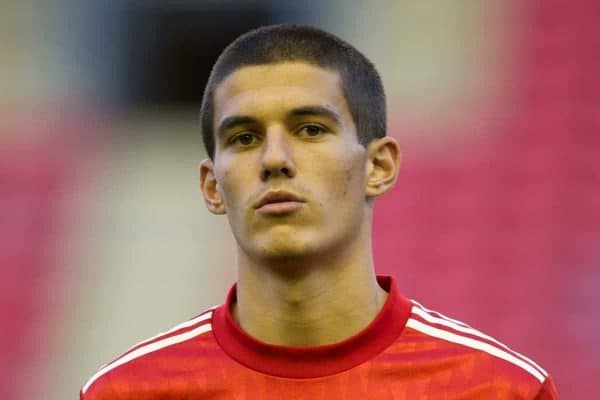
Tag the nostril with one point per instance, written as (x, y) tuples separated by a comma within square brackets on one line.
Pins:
[(268, 173)]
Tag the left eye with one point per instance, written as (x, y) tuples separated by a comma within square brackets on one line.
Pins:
[(311, 130)]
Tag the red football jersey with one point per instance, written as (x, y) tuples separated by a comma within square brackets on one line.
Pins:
[(406, 352)]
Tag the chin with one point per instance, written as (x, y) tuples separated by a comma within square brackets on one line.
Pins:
[(282, 247), (282, 251)]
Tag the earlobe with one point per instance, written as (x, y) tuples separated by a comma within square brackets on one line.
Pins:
[(210, 188), (382, 167)]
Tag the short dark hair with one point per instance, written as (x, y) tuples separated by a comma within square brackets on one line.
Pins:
[(361, 84)]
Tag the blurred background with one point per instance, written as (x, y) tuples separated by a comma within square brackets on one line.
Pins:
[(104, 237)]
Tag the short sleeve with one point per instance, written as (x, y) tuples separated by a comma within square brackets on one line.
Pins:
[(547, 391)]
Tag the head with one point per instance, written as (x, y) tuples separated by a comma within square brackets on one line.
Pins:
[(293, 121), (359, 81)]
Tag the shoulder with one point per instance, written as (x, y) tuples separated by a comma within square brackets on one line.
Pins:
[(109, 381), (487, 357)]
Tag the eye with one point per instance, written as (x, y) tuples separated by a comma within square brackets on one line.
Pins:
[(244, 139), (311, 130)]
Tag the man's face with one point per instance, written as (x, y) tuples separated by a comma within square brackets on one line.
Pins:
[(288, 163)]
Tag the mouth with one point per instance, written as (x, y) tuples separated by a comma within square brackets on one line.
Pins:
[(276, 202)]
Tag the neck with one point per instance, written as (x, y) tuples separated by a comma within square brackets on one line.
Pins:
[(327, 298)]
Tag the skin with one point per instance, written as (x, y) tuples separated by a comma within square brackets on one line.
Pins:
[(305, 277)]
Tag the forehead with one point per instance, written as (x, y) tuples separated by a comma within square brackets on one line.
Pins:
[(269, 88)]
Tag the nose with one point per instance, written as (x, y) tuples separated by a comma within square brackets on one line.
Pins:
[(276, 160)]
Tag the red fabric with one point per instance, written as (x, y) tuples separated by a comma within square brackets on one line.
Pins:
[(392, 358), (313, 362), (548, 391)]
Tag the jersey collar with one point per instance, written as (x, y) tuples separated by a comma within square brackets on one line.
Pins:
[(313, 361)]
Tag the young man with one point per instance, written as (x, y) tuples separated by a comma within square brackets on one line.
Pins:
[(293, 120)]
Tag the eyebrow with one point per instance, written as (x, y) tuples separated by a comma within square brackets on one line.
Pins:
[(315, 111), (235, 120)]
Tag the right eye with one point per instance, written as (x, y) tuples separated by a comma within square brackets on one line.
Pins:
[(243, 139)]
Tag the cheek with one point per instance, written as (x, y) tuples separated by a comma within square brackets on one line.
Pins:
[(236, 185), (345, 181), (228, 184), (349, 177), (353, 184)]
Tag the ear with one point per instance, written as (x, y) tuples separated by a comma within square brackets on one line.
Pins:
[(210, 188), (383, 163)]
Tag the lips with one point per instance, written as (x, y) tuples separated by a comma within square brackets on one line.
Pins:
[(277, 196), (278, 202)]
